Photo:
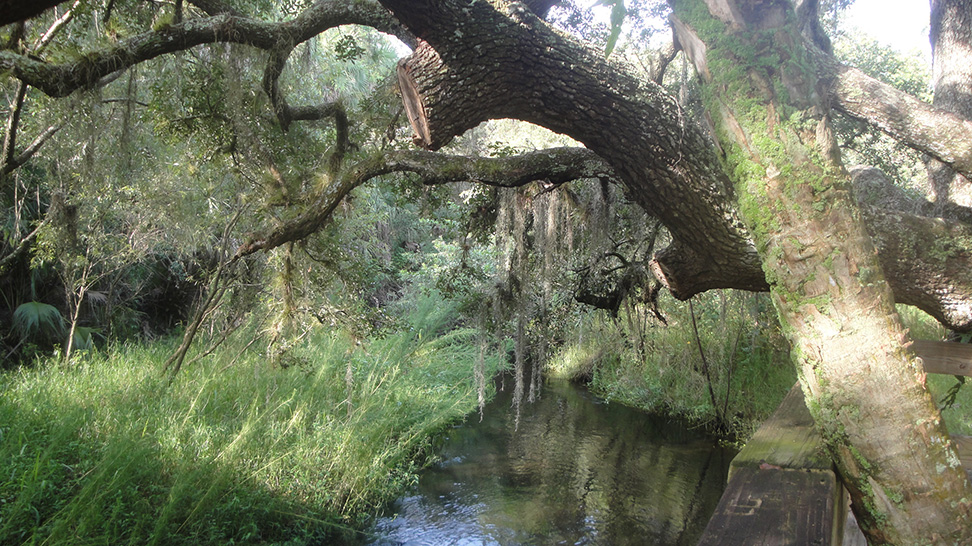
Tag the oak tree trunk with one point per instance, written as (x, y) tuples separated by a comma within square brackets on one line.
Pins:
[(951, 37), (866, 393)]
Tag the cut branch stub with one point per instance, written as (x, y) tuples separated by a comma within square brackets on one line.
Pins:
[(413, 106)]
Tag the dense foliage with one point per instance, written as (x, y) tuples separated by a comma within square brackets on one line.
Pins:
[(309, 379)]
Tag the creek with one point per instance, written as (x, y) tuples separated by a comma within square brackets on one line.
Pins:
[(574, 470)]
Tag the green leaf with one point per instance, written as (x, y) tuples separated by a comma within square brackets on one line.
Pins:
[(618, 13), (34, 318), (84, 337)]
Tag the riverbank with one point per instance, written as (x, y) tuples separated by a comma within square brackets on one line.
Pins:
[(232, 451), (723, 365)]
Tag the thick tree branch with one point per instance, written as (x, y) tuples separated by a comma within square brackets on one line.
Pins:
[(552, 166), (946, 136), (520, 69), (12, 11), (914, 244), (58, 80), (493, 60)]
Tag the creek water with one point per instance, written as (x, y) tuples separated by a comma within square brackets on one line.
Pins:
[(574, 470)]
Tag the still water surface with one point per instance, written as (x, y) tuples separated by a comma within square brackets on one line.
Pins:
[(575, 470)]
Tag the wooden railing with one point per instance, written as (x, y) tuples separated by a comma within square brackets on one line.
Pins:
[(782, 487)]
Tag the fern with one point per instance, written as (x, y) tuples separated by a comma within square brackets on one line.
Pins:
[(38, 319)]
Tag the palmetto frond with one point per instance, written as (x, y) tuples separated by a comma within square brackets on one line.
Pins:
[(35, 318)]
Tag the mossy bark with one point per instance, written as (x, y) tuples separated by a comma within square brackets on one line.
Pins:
[(487, 60), (866, 393)]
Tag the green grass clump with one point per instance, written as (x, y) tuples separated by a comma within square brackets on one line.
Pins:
[(639, 361), (232, 451)]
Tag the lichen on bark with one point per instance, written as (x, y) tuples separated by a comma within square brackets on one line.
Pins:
[(865, 393)]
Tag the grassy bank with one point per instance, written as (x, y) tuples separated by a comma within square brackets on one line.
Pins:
[(232, 452), (727, 378), (659, 368)]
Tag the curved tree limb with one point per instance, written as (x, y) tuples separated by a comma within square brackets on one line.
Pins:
[(492, 60), (942, 134), (58, 80), (553, 166), (916, 241), (463, 75), (12, 11)]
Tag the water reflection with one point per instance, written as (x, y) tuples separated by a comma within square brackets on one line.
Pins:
[(577, 471)]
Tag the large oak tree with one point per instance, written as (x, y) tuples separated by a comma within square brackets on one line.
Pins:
[(755, 197)]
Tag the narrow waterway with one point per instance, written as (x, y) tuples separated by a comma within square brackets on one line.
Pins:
[(575, 470)]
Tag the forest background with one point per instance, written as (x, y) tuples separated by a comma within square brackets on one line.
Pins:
[(160, 386)]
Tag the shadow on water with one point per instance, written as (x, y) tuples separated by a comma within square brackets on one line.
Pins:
[(576, 471)]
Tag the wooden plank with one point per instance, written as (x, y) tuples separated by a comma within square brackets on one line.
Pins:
[(782, 489), (944, 357), (777, 507), (787, 440), (963, 444)]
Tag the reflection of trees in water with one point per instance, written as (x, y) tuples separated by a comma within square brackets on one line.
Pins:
[(641, 480), (572, 471)]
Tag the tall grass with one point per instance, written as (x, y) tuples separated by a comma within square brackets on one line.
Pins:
[(108, 452), (658, 367), (642, 362)]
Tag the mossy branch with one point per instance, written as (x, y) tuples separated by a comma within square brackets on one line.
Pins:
[(59, 80), (552, 166), (941, 134)]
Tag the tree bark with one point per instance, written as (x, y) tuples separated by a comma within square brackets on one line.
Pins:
[(937, 132), (59, 80), (497, 60), (519, 69), (12, 11), (865, 392), (667, 163), (951, 37)]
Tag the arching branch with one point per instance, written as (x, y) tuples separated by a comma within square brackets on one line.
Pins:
[(552, 166), (58, 80), (12, 11), (665, 161)]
